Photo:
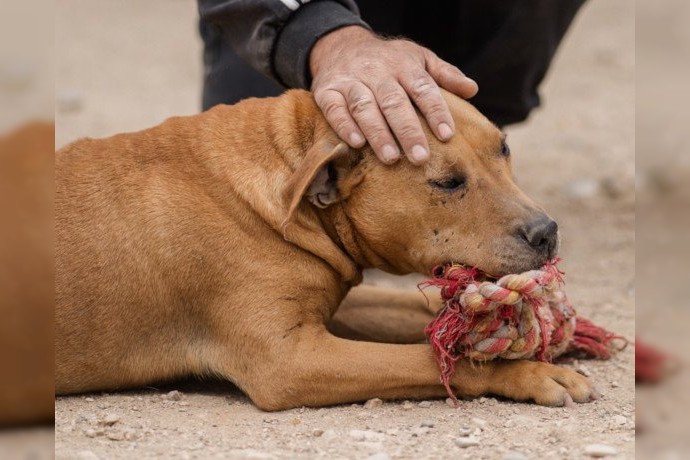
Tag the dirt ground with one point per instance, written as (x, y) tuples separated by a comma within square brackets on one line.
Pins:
[(128, 65)]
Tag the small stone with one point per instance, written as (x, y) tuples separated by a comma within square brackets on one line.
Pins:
[(393, 431), (480, 422), (619, 420), (425, 404), (89, 400), (614, 384), (116, 436), (91, 433), (317, 432), (367, 435), (600, 450), (584, 370), (428, 423), (464, 431), (109, 420), (465, 442), (173, 395), (373, 403), (407, 405), (86, 455)]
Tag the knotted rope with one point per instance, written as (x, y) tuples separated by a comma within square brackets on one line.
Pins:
[(519, 316)]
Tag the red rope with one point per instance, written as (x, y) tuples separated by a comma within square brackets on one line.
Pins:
[(495, 325)]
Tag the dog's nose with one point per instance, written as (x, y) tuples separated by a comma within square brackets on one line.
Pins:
[(542, 235)]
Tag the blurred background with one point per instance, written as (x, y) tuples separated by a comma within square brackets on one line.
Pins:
[(26, 229), (663, 200)]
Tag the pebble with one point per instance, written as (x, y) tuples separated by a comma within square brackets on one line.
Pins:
[(317, 432), (428, 423), (466, 442), (407, 405), (89, 400), (600, 450), (173, 395), (109, 420), (366, 435), (619, 420), (424, 404), (116, 436), (373, 403), (86, 455), (480, 422), (614, 384), (464, 431), (584, 370), (90, 433)]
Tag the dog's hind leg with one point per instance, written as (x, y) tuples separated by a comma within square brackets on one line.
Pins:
[(384, 315)]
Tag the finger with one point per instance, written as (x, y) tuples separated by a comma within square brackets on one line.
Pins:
[(334, 108), (426, 95), (402, 118), (450, 77), (363, 107)]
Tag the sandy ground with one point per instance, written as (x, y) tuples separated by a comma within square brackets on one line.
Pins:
[(128, 65)]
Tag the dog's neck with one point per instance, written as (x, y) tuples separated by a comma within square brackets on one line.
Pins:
[(343, 232)]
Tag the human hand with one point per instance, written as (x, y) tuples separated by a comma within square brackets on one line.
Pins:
[(365, 86)]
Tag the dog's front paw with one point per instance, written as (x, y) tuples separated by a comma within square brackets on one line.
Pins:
[(543, 383)]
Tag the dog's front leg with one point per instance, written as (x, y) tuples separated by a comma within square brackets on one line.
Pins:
[(320, 369)]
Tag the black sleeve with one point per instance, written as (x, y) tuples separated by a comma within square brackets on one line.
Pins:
[(276, 36)]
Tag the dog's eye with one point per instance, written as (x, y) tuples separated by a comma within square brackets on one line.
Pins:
[(451, 183), (505, 150)]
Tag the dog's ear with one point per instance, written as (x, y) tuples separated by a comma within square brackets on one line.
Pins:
[(317, 176)]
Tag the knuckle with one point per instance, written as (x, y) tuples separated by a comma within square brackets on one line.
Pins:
[(410, 132), (330, 109), (360, 104), (424, 87), (394, 100)]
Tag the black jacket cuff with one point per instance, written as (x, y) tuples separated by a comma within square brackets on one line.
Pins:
[(309, 23)]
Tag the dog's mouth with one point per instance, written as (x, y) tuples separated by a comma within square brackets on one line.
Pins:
[(487, 275)]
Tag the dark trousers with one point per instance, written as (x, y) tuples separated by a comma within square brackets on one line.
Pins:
[(505, 45)]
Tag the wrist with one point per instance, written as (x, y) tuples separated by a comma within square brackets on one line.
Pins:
[(333, 42)]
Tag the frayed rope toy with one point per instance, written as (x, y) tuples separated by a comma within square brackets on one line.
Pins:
[(519, 316)]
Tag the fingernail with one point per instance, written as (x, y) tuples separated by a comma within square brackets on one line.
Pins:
[(445, 131), (389, 153), (356, 140), (419, 154)]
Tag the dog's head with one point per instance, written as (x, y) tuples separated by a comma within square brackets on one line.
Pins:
[(461, 206)]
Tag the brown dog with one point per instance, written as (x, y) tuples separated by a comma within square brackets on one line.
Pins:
[(223, 244)]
